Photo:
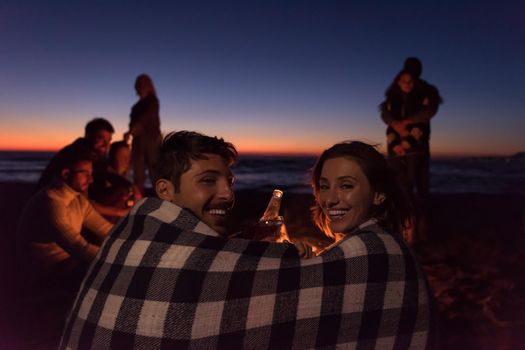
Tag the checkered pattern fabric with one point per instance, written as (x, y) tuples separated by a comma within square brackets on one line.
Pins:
[(163, 279)]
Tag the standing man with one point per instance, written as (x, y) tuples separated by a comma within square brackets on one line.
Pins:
[(144, 126), (410, 104)]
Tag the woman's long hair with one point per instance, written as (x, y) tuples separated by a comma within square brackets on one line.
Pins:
[(144, 81), (394, 213)]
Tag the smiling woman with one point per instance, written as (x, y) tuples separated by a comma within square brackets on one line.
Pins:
[(353, 183)]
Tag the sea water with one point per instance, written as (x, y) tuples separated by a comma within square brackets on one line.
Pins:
[(292, 173)]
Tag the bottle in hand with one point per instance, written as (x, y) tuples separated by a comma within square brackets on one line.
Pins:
[(271, 225)]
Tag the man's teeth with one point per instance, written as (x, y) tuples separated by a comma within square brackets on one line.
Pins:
[(217, 212)]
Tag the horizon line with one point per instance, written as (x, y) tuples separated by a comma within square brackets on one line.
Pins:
[(435, 155)]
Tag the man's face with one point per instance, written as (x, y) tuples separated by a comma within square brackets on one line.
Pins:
[(206, 190), (79, 177), (100, 142)]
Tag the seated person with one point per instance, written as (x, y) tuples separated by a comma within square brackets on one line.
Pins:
[(97, 139), (119, 161), (168, 276), (50, 243)]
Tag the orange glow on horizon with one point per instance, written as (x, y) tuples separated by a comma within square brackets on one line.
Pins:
[(53, 141)]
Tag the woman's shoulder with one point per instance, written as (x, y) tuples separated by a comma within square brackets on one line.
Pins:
[(374, 239)]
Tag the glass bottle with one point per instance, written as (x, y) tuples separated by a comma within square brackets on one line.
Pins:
[(271, 225)]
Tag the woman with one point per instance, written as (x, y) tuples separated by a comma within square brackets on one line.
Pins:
[(144, 126), (354, 187), (361, 204)]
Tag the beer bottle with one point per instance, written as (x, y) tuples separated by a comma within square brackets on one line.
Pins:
[(271, 223)]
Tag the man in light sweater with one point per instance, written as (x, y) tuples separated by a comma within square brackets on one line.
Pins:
[(52, 247)]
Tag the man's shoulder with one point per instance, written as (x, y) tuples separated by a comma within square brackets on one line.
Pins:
[(424, 87)]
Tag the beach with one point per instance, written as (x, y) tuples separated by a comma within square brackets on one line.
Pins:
[(472, 256)]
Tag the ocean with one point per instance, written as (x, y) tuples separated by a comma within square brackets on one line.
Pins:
[(494, 175)]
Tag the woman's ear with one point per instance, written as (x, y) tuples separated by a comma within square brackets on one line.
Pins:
[(165, 189), (379, 198)]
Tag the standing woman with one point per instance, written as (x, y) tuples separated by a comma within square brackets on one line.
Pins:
[(362, 206), (144, 126)]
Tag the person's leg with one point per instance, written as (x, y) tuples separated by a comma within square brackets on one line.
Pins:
[(423, 176), (137, 157), (419, 172), (412, 165), (152, 153), (400, 165)]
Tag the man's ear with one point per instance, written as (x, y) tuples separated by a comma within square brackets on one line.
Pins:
[(165, 189), (64, 174), (379, 198)]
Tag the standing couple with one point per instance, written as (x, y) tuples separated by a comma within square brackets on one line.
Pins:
[(167, 276)]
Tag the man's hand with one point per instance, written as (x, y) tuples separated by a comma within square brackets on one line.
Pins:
[(399, 150), (400, 126)]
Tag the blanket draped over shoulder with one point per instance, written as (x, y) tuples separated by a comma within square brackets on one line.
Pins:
[(163, 279)]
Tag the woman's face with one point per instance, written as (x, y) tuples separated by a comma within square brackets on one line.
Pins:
[(406, 83), (122, 158), (345, 194)]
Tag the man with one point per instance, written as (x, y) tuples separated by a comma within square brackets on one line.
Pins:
[(97, 138), (51, 244), (98, 134), (59, 234), (409, 106), (168, 276)]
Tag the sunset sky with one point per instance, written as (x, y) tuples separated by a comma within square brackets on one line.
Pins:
[(269, 76)]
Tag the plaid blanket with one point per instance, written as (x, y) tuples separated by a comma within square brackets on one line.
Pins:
[(163, 279)]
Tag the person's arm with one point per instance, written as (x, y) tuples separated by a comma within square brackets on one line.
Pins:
[(140, 119), (109, 211), (386, 113), (95, 223), (388, 118), (430, 106), (66, 236)]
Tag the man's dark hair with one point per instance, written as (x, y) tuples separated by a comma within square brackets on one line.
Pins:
[(97, 124), (179, 148), (414, 66), (73, 154), (66, 158)]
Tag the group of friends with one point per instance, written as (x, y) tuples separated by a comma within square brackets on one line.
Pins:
[(168, 274)]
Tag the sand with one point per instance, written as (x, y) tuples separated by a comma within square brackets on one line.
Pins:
[(473, 257)]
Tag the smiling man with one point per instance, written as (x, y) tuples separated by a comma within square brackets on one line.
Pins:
[(194, 173)]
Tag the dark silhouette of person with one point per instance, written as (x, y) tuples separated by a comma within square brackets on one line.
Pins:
[(144, 126), (408, 108)]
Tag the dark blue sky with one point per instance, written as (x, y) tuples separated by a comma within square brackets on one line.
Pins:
[(267, 75)]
